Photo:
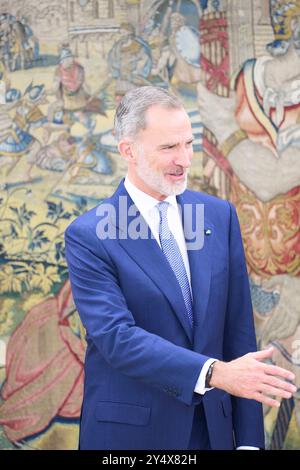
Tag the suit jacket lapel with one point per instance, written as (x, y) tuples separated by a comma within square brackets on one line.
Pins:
[(150, 258)]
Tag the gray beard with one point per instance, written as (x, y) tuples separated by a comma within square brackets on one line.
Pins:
[(156, 181)]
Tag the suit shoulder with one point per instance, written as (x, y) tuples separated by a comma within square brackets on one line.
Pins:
[(85, 222), (209, 200)]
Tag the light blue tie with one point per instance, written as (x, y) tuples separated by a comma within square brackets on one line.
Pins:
[(172, 252)]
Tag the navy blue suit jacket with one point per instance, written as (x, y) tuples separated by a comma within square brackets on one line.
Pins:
[(143, 359)]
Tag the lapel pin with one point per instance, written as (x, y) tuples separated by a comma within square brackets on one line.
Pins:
[(207, 231)]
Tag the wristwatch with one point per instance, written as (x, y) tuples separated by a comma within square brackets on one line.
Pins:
[(209, 375)]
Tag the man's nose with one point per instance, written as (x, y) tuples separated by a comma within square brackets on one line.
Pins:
[(183, 157)]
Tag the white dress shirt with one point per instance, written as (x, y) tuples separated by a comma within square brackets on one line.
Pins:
[(146, 206)]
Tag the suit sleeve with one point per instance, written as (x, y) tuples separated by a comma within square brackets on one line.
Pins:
[(239, 337), (109, 323)]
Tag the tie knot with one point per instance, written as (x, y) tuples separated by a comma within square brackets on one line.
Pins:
[(163, 208)]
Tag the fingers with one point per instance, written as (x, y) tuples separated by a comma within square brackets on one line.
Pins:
[(272, 385), (277, 392), (263, 396), (275, 382), (264, 354), (266, 400), (278, 371), (269, 368)]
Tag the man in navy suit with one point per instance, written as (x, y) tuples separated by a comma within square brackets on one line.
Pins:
[(159, 279)]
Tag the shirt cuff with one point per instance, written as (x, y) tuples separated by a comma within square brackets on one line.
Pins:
[(247, 448), (200, 384)]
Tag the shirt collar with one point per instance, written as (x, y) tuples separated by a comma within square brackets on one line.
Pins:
[(144, 200)]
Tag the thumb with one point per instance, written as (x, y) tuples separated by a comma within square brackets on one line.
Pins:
[(264, 353)]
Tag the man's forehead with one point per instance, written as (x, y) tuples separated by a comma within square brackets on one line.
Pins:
[(162, 118), (163, 109)]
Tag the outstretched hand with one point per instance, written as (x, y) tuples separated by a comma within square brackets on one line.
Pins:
[(249, 377)]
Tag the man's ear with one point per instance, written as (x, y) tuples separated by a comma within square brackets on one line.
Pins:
[(126, 150)]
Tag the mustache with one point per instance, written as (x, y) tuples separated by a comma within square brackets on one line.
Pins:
[(179, 170)]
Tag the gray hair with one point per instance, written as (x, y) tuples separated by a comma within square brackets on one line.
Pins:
[(130, 114)]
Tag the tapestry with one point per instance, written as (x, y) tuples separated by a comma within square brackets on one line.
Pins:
[(64, 67)]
